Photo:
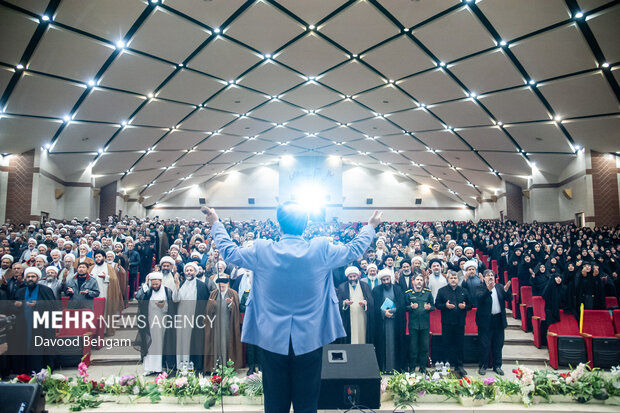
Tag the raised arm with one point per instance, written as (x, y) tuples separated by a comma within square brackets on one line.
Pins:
[(231, 252), (340, 255)]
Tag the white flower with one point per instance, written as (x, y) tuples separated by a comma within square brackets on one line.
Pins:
[(203, 381), (58, 376), (436, 376), (136, 390), (109, 381)]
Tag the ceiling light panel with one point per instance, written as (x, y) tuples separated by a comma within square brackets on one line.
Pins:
[(398, 58), (432, 87), (487, 72), (386, 99), (271, 78), (207, 120), (251, 25), (43, 96), (191, 87), (455, 35), (136, 73), (224, 59), (513, 19), (350, 27), (162, 113), (351, 78), (103, 105), (237, 100)]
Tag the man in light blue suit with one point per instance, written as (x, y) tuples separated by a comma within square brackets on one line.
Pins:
[(292, 310)]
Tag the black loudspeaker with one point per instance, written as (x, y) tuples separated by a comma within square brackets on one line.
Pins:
[(349, 376), (418, 201), (368, 201), (22, 398), (251, 201)]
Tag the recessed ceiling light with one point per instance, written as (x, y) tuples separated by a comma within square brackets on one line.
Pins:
[(311, 27), (406, 29), (154, 1), (558, 119), (47, 146), (442, 64), (45, 18), (150, 95), (19, 66), (232, 82), (473, 95), (579, 15), (532, 82), (124, 123), (91, 83), (216, 30), (267, 56), (605, 65), (120, 44), (503, 43), (67, 118), (422, 105)]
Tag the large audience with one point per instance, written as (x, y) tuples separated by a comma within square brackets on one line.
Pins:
[(119, 257)]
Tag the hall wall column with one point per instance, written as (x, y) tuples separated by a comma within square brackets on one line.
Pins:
[(604, 171), (19, 188), (4, 177), (514, 202)]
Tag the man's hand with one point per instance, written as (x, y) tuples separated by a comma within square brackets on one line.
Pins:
[(348, 302), (388, 314), (449, 306), (18, 304), (414, 305), (211, 216), (228, 300), (507, 286), (427, 306), (462, 305), (363, 303), (375, 219), (84, 292)]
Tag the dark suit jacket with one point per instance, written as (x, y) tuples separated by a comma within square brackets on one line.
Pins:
[(485, 302)]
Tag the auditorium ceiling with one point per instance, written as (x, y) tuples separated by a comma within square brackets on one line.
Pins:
[(163, 95)]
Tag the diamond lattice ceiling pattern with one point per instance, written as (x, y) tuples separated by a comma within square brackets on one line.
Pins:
[(456, 94)]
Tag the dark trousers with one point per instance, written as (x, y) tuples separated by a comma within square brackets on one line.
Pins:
[(491, 340), (453, 338), (418, 348), (252, 356), (291, 378), (133, 278)]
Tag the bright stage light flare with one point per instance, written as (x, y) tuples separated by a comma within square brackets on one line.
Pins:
[(311, 196)]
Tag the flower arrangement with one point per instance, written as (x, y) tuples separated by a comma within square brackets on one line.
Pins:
[(80, 392), (581, 384)]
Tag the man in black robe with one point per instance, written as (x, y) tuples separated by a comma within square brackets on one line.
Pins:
[(357, 315), (35, 298), (389, 302), (155, 342)]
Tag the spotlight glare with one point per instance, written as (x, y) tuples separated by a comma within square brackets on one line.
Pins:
[(120, 44)]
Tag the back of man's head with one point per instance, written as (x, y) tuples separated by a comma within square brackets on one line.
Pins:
[(292, 218)]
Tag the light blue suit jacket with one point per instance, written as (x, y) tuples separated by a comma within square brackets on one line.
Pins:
[(292, 294)]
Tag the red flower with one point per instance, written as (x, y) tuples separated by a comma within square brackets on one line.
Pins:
[(216, 379), (24, 378), (518, 372), (464, 379), (564, 375)]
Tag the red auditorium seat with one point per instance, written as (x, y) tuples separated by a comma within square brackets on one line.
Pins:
[(68, 356), (514, 283), (470, 344), (611, 302), (508, 303), (99, 310), (616, 317), (538, 317), (602, 343), (494, 267), (524, 307), (566, 346), (435, 342)]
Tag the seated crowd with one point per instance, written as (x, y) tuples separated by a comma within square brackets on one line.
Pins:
[(385, 298)]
